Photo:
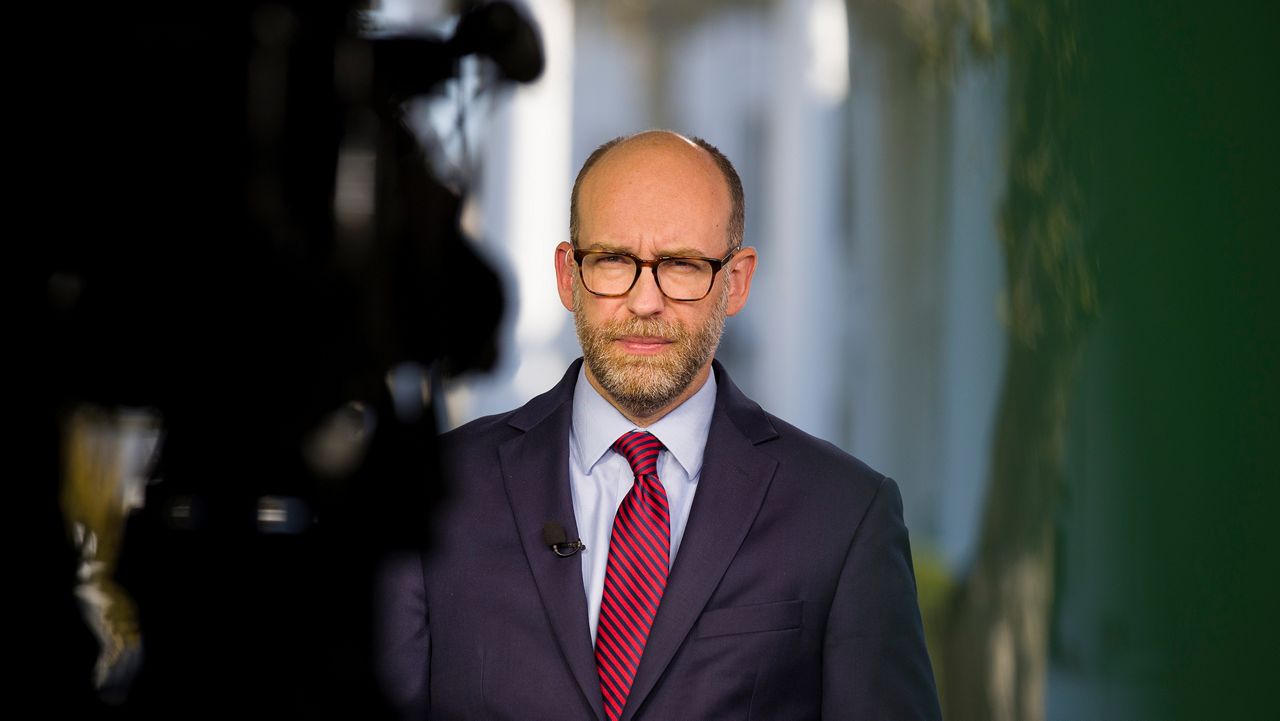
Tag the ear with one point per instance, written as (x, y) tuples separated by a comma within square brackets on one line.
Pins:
[(738, 275), (565, 268)]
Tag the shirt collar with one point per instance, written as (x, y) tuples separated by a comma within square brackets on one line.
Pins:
[(597, 424)]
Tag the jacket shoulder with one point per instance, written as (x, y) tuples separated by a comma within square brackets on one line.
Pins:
[(502, 426), (485, 431), (485, 425), (801, 453)]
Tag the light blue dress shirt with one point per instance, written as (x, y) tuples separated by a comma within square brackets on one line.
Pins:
[(600, 478)]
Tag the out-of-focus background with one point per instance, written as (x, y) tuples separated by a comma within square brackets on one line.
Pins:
[(1020, 256)]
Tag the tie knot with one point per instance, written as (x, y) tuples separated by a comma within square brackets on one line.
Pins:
[(640, 448)]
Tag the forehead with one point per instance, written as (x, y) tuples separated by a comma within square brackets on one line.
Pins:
[(655, 192)]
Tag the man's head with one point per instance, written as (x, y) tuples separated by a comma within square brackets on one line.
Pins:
[(653, 195), (737, 211)]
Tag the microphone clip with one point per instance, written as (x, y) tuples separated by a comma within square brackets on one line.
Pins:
[(553, 534), (568, 548)]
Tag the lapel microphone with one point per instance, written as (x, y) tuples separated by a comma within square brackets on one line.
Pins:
[(553, 535)]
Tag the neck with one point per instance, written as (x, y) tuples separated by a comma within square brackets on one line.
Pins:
[(644, 421)]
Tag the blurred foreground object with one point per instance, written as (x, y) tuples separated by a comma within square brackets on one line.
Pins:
[(250, 246)]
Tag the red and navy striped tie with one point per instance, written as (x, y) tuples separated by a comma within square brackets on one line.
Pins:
[(639, 553)]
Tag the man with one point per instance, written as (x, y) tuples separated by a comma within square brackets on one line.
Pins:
[(734, 566)]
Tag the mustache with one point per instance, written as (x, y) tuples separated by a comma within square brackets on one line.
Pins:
[(651, 328)]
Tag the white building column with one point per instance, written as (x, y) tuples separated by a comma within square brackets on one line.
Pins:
[(927, 179), (524, 211), (800, 298)]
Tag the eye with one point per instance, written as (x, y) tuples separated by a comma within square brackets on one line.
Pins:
[(610, 259), (685, 267)]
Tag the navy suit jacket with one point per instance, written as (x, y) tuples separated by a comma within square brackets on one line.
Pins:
[(792, 597)]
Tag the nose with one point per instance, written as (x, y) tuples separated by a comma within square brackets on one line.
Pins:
[(645, 298)]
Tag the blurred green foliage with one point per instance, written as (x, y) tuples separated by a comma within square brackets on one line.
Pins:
[(1165, 605), (934, 587)]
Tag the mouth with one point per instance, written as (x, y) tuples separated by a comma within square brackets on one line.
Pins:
[(642, 345)]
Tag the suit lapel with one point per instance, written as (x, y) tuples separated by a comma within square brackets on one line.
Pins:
[(535, 469), (735, 477)]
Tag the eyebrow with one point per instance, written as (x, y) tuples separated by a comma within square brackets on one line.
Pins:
[(678, 252)]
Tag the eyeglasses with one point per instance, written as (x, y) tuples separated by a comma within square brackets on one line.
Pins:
[(612, 274)]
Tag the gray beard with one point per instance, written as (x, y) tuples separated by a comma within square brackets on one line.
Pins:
[(644, 385)]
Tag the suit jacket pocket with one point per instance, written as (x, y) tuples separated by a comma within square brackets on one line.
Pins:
[(779, 616)]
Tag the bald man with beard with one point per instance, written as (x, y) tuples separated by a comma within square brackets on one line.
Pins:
[(643, 541)]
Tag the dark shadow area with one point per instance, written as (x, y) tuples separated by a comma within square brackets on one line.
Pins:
[(246, 242)]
